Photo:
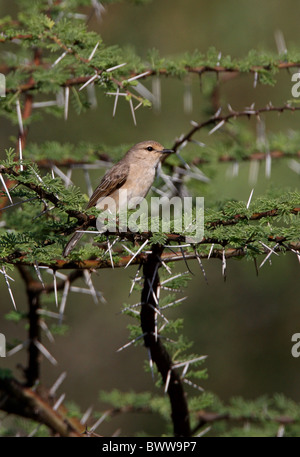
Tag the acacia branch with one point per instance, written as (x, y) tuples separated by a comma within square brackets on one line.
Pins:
[(19, 258), (199, 70), (32, 371), (44, 194), (218, 119), (23, 401), (34, 288), (159, 355), (27, 111)]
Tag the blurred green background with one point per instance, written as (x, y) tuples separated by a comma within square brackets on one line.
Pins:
[(245, 324)]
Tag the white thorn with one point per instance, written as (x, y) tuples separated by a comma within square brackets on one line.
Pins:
[(138, 76), (19, 115), (115, 67), (217, 127), (116, 102), (64, 297), (93, 51), (89, 81), (59, 58), (59, 402), (136, 278), (8, 286), (268, 247), (45, 352), (5, 188), (86, 415), (173, 303), (203, 432), (132, 111), (55, 287), (196, 359), (21, 155), (88, 279), (270, 253), (168, 381), (200, 263), (58, 382), (249, 199), (138, 106), (17, 348), (157, 311), (137, 252), (174, 277), (61, 175), (255, 80), (110, 253), (210, 251), (223, 263), (66, 109), (46, 330), (98, 422), (130, 342)]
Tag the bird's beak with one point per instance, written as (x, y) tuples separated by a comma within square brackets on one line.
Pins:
[(167, 151)]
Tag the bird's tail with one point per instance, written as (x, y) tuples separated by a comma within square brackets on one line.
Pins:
[(72, 243)]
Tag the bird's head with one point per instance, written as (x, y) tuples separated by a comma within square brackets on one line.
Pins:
[(149, 151)]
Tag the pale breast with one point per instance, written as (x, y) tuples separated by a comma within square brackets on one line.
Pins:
[(136, 186), (139, 181)]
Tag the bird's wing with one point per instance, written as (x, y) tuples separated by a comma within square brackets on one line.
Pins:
[(111, 181)]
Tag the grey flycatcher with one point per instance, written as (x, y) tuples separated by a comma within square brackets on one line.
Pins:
[(135, 173)]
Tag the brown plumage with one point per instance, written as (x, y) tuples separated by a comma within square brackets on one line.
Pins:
[(112, 180)]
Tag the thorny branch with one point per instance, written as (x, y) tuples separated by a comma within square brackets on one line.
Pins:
[(32, 371), (219, 120), (46, 195), (159, 355), (177, 256), (199, 70), (30, 400), (34, 289), (23, 132), (37, 406)]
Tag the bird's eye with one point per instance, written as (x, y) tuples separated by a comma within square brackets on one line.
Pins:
[(149, 148)]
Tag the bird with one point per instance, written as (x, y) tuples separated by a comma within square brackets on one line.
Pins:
[(135, 173)]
